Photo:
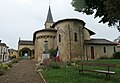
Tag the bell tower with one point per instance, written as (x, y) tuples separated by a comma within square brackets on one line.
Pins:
[(49, 21)]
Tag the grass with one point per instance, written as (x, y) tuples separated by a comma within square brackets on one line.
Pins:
[(70, 75)]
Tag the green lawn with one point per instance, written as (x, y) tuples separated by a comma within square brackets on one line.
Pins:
[(70, 75)]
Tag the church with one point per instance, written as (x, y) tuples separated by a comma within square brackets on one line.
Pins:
[(72, 39)]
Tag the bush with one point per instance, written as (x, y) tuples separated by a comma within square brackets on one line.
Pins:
[(103, 57), (15, 61), (54, 65), (68, 63), (77, 61), (52, 52), (116, 55), (9, 65), (46, 61), (2, 71), (4, 67)]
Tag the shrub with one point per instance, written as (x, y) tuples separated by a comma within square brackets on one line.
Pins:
[(15, 61), (9, 65), (68, 63), (52, 52), (4, 67), (54, 65), (103, 57), (46, 61), (116, 55), (77, 61), (2, 71)]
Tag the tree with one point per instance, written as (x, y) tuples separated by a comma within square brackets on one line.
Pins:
[(107, 10)]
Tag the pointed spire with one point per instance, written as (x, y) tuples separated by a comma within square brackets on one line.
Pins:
[(49, 16)]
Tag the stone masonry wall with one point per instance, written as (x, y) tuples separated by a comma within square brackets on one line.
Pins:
[(99, 51), (68, 47), (39, 43)]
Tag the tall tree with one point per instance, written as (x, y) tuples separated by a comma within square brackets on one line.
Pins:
[(107, 10)]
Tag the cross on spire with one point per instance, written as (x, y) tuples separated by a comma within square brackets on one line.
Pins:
[(49, 2)]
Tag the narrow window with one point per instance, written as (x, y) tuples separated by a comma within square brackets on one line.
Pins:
[(114, 49), (104, 50), (59, 38), (75, 37), (92, 52)]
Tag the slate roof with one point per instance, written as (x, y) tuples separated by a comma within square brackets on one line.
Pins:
[(91, 32), (49, 16), (68, 19), (73, 19), (25, 42), (99, 42)]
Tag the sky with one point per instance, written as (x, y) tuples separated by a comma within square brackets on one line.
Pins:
[(21, 18)]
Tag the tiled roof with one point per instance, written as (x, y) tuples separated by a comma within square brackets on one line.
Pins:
[(25, 42), (44, 30), (12, 50), (100, 42)]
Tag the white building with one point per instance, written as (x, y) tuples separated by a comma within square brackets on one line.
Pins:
[(4, 53)]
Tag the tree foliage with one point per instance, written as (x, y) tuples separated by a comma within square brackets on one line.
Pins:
[(107, 10)]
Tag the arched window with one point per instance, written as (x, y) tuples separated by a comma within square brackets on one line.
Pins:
[(75, 37), (104, 50), (59, 38)]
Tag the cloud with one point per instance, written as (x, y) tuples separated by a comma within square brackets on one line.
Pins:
[(25, 1)]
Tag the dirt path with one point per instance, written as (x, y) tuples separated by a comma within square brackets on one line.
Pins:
[(22, 72)]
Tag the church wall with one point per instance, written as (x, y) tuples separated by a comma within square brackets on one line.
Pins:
[(99, 51), (86, 35), (68, 47), (39, 45), (39, 48), (36, 49)]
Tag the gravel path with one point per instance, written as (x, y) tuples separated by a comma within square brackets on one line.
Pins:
[(22, 72)]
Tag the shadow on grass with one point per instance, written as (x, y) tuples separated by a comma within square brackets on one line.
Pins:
[(98, 76)]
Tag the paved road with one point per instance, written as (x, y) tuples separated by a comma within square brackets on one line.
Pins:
[(22, 72)]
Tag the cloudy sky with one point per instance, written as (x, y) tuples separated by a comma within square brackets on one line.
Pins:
[(21, 18)]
